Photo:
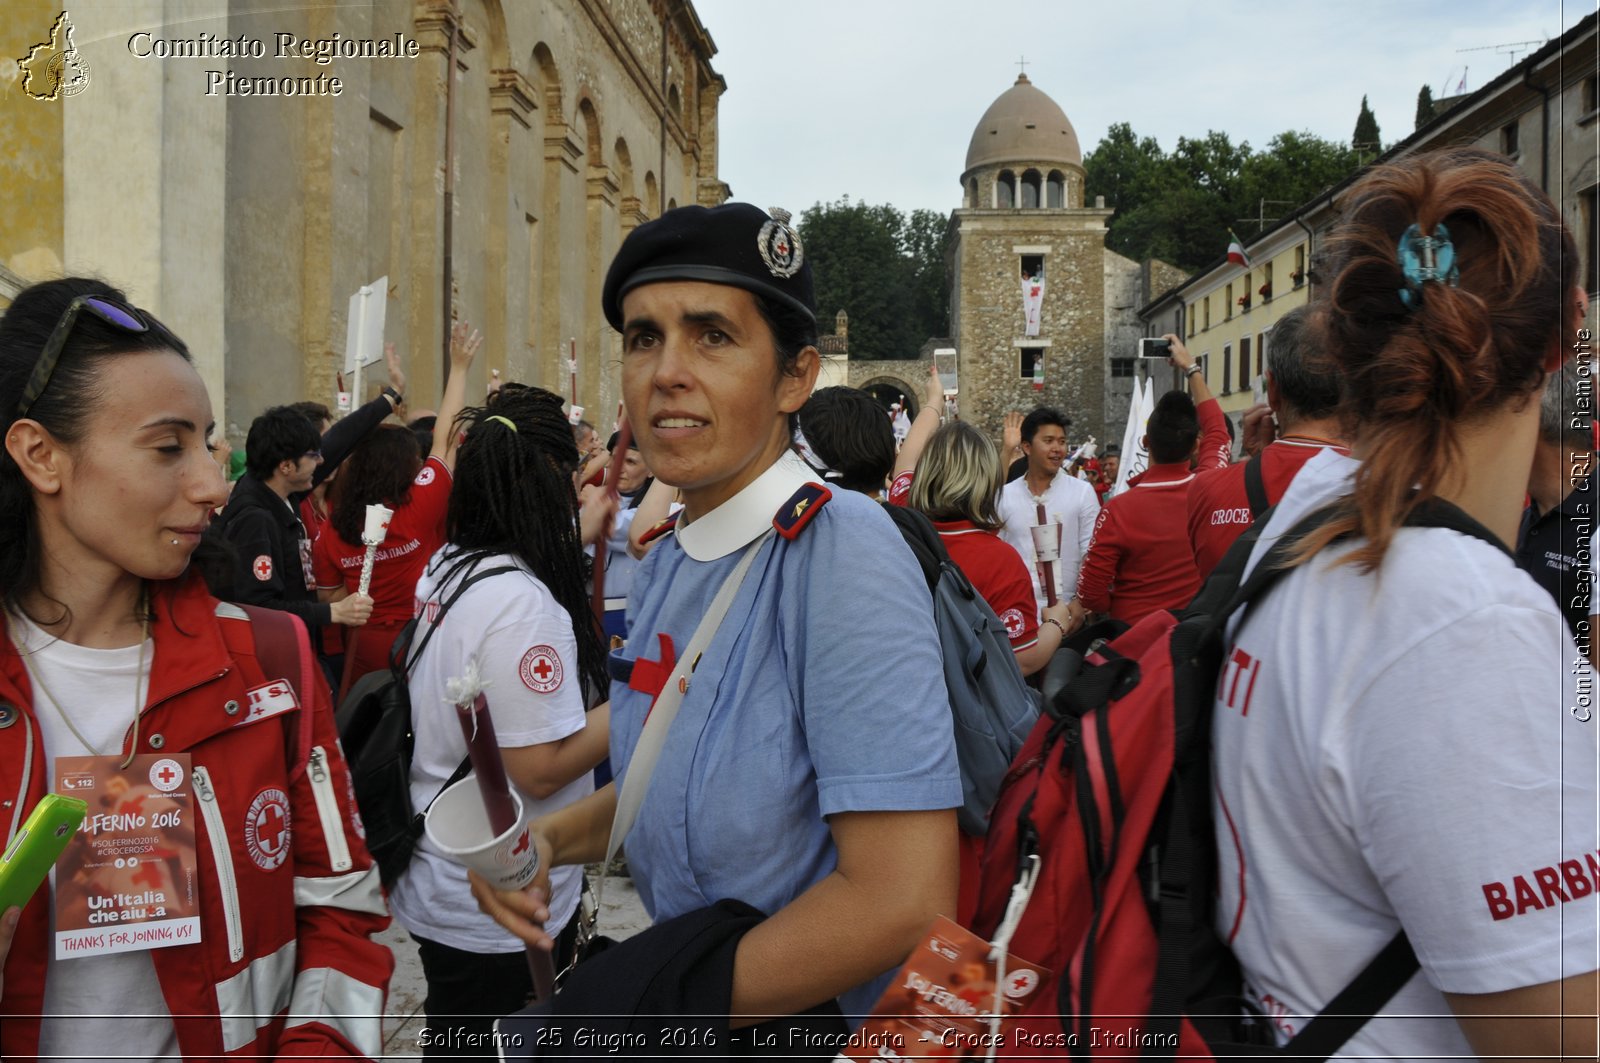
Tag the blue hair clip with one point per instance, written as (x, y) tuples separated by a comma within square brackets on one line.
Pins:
[(1426, 258)]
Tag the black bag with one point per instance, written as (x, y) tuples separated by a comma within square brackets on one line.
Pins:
[(374, 722)]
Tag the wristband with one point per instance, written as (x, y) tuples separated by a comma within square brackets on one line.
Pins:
[(1191, 371), (394, 396), (1059, 627)]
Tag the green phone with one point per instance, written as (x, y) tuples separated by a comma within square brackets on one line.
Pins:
[(37, 846)]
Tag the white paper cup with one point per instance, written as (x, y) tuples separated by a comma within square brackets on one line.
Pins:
[(377, 526), (458, 826), (1046, 542), (575, 415)]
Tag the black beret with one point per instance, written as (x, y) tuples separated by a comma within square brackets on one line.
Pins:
[(735, 244)]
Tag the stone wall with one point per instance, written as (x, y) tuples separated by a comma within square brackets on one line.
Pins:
[(988, 316)]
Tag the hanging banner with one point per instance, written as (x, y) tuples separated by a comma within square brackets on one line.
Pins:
[(1032, 302)]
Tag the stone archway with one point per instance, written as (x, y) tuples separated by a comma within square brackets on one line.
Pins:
[(889, 389)]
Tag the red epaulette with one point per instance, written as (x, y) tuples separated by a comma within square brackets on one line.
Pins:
[(796, 513), (660, 529)]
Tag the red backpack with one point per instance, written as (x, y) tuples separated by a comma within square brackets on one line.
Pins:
[(1100, 858)]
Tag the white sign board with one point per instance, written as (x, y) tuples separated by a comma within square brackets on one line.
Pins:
[(363, 339)]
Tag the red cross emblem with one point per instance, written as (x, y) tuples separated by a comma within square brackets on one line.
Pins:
[(1012, 619), (166, 775), (541, 670), (266, 829), (521, 846), (262, 568)]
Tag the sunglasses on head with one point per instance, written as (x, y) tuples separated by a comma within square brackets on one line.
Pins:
[(117, 314)]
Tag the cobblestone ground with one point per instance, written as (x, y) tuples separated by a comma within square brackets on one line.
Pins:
[(621, 916)]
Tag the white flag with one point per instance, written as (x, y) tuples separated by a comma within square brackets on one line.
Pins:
[(1135, 458)]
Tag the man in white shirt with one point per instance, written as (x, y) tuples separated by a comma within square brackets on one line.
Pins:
[(1047, 494)]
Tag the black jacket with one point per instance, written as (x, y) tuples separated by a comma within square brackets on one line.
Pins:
[(266, 535), (666, 992)]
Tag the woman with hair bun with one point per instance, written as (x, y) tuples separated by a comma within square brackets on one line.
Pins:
[(506, 591), (1399, 741)]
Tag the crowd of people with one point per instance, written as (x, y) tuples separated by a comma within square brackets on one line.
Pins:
[(751, 705)]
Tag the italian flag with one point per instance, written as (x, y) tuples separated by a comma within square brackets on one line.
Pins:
[(1236, 253)]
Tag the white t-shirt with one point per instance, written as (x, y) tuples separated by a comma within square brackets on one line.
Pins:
[(1069, 501), (1400, 749), (95, 1001), (528, 657)]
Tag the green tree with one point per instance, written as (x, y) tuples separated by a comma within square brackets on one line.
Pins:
[(1293, 168), (924, 242), (1366, 137), (883, 269), (1424, 106)]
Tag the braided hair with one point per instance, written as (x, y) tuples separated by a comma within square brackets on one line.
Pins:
[(512, 494)]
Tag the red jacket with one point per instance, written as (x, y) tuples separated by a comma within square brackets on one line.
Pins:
[(285, 938), (1219, 507), (1140, 559)]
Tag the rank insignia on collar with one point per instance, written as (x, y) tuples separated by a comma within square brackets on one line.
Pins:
[(797, 512), (660, 529), (780, 245)]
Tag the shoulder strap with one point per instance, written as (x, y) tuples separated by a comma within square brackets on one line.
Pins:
[(284, 650), (445, 608), (630, 795), (1364, 997), (1255, 485)]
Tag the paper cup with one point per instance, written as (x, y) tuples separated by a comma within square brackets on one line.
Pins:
[(575, 415), (458, 826), (1046, 542), (377, 526)]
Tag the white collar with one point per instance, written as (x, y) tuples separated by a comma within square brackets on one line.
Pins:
[(739, 520)]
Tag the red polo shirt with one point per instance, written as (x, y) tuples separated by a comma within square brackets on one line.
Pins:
[(996, 571), (1219, 506), (1140, 559)]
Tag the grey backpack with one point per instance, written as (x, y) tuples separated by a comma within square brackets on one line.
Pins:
[(993, 705)]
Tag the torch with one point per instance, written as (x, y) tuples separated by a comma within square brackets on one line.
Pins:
[(479, 821)]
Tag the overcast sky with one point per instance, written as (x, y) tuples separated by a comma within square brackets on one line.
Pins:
[(877, 99)]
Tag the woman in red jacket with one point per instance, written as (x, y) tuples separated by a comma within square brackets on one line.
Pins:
[(385, 470), (189, 919)]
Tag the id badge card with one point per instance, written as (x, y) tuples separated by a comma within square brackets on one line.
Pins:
[(128, 882), (940, 1004)]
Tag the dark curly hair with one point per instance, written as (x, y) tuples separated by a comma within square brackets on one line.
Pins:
[(512, 494), (378, 471)]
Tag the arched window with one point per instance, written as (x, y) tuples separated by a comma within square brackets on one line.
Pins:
[(1005, 190), (1055, 190), (672, 203), (1030, 190)]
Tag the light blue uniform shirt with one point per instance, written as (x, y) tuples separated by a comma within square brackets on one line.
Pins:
[(822, 692)]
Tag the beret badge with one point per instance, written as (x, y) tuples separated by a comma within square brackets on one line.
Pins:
[(779, 245)]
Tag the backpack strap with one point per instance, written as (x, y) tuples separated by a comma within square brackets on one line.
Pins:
[(410, 659), (283, 649), (1364, 997), (923, 539), (1255, 485)]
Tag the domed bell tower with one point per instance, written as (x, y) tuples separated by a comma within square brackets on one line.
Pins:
[(1028, 287)]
